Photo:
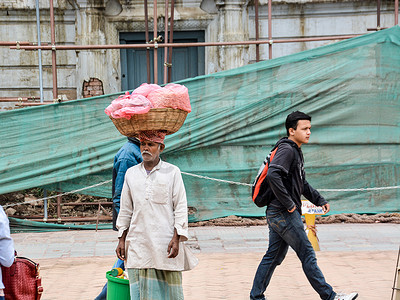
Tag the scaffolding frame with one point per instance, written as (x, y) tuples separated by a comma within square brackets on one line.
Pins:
[(168, 44)]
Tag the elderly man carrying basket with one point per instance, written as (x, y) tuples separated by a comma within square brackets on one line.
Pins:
[(153, 218)]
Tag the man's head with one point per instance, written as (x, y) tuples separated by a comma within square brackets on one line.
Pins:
[(151, 145), (298, 127)]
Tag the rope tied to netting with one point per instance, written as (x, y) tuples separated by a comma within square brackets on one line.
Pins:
[(206, 178), (216, 179), (58, 195), (321, 190)]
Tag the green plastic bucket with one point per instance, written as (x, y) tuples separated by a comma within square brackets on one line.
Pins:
[(117, 288)]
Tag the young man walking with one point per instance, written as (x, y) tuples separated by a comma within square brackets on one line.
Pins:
[(286, 178)]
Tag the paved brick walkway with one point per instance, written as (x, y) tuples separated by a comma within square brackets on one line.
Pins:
[(358, 257)]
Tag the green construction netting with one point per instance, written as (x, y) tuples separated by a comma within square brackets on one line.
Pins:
[(350, 88), (18, 225)]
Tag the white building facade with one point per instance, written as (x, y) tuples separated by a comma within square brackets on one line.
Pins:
[(112, 22)]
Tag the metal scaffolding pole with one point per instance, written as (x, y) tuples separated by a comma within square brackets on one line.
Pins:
[(257, 33), (146, 23), (39, 51), (17, 44), (166, 41), (53, 53), (270, 29), (378, 14), (178, 45), (155, 41), (171, 40), (45, 205)]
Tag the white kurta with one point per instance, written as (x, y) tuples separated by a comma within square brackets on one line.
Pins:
[(152, 205)]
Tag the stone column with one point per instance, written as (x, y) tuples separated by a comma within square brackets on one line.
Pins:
[(233, 26), (90, 30)]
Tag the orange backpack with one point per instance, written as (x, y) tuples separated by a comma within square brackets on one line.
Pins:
[(261, 191)]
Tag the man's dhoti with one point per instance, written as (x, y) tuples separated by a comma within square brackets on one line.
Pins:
[(153, 284)]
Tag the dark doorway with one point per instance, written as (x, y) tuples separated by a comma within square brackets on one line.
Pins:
[(186, 61)]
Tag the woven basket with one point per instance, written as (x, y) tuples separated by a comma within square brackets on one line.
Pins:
[(167, 119)]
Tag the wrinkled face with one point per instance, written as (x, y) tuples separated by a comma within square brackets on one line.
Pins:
[(150, 150), (302, 133)]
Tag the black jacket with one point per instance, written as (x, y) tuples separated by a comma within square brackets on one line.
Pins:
[(287, 178)]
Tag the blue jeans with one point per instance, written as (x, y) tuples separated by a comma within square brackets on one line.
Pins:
[(103, 294), (287, 229)]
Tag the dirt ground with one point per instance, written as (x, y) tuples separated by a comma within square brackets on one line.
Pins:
[(230, 275)]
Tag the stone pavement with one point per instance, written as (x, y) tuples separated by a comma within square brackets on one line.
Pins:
[(358, 257)]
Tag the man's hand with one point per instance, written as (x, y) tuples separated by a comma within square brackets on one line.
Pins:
[(173, 246), (121, 249), (293, 209), (121, 246), (326, 208)]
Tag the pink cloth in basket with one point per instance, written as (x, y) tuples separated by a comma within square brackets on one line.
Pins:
[(145, 89), (127, 105), (148, 96), (173, 95)]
